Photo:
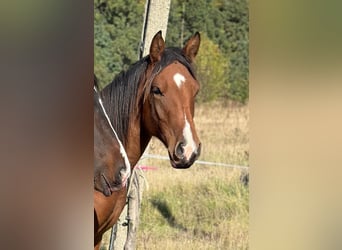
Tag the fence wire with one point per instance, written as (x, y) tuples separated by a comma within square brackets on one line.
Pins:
[(160, 157)]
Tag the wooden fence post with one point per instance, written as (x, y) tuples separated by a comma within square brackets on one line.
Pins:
[(124, 232), (134, 202), (156, 18)]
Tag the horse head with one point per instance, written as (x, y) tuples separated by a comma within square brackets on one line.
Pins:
[(169, 98), (111, 165)]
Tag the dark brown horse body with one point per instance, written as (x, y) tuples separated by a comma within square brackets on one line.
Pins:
[(155, 97), (111, 165)]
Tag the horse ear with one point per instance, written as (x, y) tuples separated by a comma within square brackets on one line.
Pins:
[(191, 47), (157, 47)]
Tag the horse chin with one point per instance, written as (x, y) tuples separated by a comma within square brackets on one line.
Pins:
[(107, 192), (181, 164), (109, 187)]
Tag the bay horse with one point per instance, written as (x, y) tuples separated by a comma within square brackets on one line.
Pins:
[(111, 164), (154, 97)]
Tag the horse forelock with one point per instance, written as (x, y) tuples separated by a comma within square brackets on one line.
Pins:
[(169, 56)]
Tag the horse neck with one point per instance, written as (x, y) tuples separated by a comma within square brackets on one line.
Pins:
[(138, 138), (137, 141)]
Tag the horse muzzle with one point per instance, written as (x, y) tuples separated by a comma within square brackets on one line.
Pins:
[(184, 155)]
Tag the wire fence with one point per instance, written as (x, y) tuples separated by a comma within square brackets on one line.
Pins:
[(160, 157)]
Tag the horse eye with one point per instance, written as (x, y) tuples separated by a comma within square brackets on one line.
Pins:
[(155, 90)]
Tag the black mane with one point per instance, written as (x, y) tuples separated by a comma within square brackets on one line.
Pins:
[(120, 96)]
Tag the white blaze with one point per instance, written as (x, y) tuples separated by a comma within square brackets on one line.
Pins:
[(179, 79), (127, 173), (190, 145)]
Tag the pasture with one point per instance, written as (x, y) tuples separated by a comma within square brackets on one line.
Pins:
[(203, 207)]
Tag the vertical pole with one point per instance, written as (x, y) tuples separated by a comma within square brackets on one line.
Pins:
[(134, 201), (119, 232), (156, 18)]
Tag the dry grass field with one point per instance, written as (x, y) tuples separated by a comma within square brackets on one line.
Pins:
[(203, 207)]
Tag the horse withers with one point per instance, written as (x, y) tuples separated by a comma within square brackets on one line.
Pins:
[(154, 97)]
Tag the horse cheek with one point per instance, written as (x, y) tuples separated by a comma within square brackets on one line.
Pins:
[(148, 114)]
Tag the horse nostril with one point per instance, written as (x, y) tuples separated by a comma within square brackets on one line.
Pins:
[(179, 151)]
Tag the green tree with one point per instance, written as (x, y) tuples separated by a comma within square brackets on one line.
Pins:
[(117, 31), (231, 19), (212, 71), (118, 25), (226, 24)]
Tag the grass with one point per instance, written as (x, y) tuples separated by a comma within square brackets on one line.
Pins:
[(203, 207), (207, 209)]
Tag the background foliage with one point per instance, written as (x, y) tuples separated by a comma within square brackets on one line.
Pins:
[(222, 63)]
